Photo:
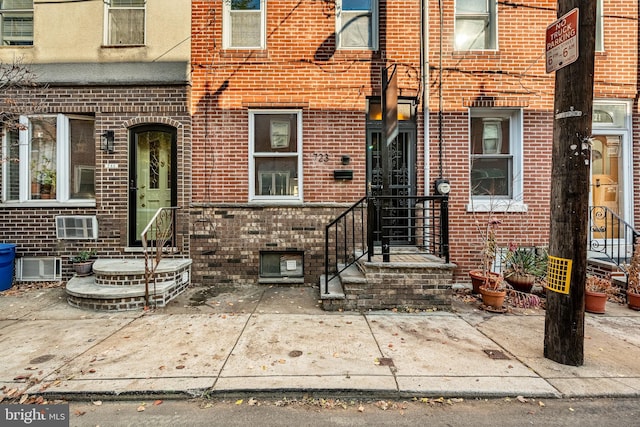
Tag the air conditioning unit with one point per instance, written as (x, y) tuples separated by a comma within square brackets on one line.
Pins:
[(77, 227), (38, 269)]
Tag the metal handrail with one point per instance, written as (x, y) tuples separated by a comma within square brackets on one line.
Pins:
[(610, 235), (377, 221), (158, 238)]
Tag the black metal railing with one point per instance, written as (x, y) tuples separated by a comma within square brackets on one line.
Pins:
[(611, 236), (386, 225), (158, 238)]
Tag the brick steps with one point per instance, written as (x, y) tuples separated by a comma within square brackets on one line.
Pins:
[(412, 281), (118, 284)]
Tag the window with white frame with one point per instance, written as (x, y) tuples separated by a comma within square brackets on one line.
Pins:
[(356, 24), (599, 27), (125, 22), (275, 139), (16, 19), (244, 24), (52, 159), (496, 154), (475, 25)]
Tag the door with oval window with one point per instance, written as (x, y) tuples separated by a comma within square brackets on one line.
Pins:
[(152, 176)]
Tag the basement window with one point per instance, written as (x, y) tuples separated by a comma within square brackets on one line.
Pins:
[(281, 267)]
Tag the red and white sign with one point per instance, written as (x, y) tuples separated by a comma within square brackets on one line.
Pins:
[(562, 41)]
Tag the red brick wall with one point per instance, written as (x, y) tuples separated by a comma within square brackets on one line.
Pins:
[(299, 69), (515, 76)]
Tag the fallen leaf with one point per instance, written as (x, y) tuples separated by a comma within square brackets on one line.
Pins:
[(252, 402), (157, 402), (180, 367), (23, 398), (521, 399), (282, 361), (239, 402), (541, 404), (360, 408), (79, 413), (140, 408), (97, 402)]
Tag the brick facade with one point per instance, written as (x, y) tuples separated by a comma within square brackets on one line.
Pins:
[(514, 76), (301, 68), (32, 227)]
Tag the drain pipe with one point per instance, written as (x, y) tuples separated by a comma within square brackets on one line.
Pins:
[(424, 60)]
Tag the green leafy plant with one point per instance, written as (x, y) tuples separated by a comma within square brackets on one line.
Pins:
[(83, 256), (524, 261)]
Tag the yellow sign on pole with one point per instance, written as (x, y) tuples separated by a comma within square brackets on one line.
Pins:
[(559, 274)]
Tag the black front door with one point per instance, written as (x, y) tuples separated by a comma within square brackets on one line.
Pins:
[(402, 152)]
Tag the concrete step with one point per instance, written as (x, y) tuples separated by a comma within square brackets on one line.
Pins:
[(119, 284)]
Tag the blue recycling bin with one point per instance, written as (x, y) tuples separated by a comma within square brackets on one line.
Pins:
[(7, 256)]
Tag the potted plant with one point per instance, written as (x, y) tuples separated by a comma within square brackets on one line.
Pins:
[(596, 292), (493, 293), (522, 266), (83, 262), (484, 276), (47, 183), (633, 279)]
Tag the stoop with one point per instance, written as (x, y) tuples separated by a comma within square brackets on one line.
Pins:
[(411, 281), (118, 284)]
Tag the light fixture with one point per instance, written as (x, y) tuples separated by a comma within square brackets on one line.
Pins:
[(107, 141), (345, 159)]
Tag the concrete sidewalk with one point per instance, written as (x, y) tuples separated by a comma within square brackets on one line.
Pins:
[(260, 339)]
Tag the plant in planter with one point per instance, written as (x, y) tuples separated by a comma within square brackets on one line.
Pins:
[(596, 293), (83, 262), (523, 266), (633, 279), (493, 293), (484, 276)]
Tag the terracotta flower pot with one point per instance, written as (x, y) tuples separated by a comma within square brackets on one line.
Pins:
[(633, 300), (595, 302), (478, 279), (521, 282), (493, 298)]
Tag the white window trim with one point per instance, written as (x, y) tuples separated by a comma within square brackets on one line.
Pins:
[(626, 152), (374, 27), (599, 26), (63, 158), (28, 11), (253, 197), (107, 32), (493, 28), (226, 27), (516, 136)]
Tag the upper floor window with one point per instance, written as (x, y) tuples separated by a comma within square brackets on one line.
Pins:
[(125, 22), (244, 24), (17, 22), (275, 139), (496, 158), (475, 25), (356, 24), (52, 158)]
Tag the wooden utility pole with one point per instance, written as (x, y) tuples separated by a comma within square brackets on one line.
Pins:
[(573, 104)]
